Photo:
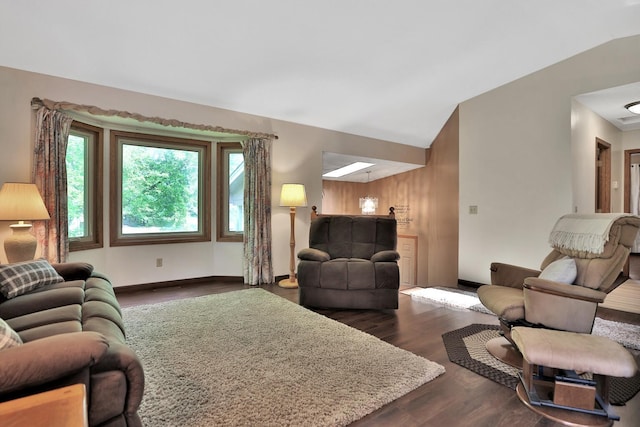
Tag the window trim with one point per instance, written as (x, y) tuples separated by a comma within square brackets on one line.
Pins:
[(95, 239), (115, 182), (222, 196)]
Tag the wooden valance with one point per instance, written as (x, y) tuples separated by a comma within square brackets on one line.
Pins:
[(97, 111)]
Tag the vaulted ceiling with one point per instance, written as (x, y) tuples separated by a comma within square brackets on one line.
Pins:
[(392, 70)]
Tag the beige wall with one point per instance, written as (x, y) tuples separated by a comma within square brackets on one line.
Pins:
[(443, 205), (517, 160), (297, 157), (631, 140), (586, 126)]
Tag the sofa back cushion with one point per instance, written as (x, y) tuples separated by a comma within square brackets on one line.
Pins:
[(347, 236)]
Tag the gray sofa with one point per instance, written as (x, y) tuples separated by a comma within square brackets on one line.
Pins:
[(70, 331), (351, 262)]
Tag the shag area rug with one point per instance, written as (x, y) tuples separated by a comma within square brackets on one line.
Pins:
[(466, 347), (252, 358), (625, 333)]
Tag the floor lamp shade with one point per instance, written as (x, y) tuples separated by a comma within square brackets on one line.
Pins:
[(21, 202), (292, 195)]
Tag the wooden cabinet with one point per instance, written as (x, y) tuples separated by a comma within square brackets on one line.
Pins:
[(65, 406)]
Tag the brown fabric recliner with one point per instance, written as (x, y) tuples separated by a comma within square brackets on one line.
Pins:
[(351, 262), (519, 296)]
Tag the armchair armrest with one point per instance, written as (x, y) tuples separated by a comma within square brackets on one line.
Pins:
[(385, 256), (48, 359), (510, 275), (564, 290), (311, 254)]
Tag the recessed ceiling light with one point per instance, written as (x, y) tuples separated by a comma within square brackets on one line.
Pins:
[(346, 170), (634, 107)]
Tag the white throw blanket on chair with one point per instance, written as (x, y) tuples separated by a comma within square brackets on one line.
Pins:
[(583, 232)]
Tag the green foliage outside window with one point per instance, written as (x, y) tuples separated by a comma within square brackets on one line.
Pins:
[(76, 185), (159, 189)]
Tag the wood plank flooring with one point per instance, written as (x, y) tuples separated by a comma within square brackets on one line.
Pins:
[(457, 398)]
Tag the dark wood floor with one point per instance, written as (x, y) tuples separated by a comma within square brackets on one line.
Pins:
[(457, 398)]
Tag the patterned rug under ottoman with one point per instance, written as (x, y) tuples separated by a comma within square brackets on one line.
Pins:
[(466, 347)]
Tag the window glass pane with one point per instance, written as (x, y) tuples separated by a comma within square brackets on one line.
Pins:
[(160, 190), (77, 163), (230, 215), (236, 192)]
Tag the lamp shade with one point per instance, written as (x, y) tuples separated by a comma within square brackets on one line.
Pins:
[(293, 195), (21, 202)]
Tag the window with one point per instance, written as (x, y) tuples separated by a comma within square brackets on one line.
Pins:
[(160, 189), (84, 186), (230, 225)]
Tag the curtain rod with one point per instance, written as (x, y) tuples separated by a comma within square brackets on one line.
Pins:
[(97, 111)]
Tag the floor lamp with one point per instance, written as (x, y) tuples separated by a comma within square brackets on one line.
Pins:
[(21, 202), (292, 195)]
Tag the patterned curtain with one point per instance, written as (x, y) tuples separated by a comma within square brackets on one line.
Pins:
[(257, 265), (50, 176)]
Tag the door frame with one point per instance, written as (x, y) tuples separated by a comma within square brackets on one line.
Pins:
[(627, 177), (603, 176)]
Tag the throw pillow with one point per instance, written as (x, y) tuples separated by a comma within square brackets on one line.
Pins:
[(563, 270), (22, 277), (8, 337)]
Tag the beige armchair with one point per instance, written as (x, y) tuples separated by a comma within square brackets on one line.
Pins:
[(589, 253)]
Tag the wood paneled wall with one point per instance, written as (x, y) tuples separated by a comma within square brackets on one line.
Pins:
[(425, 202), (443, 176)]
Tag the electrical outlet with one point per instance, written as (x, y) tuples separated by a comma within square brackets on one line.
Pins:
[(158, 262)]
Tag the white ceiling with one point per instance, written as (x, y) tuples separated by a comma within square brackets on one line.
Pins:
[(609, 104), (393, 70), (379, 169)]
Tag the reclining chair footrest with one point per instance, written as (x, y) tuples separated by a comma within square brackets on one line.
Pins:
[(550, 359)]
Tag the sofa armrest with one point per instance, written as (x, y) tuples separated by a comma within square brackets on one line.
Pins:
[(311, 254), (385, 256), (121, 357), (510, 275), (564, 290), (73, 270), (48, 359)]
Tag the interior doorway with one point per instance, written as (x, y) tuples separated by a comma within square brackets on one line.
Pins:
[(631, 203), (603, 176), (631, 158)]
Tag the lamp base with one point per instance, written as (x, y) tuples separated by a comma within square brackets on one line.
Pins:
[(288, 283), (21, 245)]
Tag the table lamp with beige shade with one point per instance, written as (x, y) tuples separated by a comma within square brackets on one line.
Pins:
[(292, 195), (21, 202)]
